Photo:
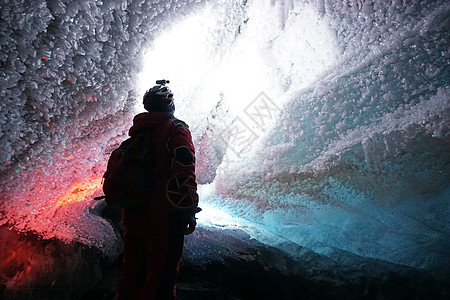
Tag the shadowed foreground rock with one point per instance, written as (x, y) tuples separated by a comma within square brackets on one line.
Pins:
[(32, 268), (228, 264), (232, 260), (217, 264)]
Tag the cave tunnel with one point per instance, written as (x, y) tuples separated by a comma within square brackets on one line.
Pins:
[(321, 131)]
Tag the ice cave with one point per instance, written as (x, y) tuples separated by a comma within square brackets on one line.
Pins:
[(321, 130)]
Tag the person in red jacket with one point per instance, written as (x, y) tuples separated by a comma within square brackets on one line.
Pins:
[(153, 236)]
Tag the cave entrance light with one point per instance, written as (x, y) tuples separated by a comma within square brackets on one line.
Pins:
[(213, 56), (269, 50)]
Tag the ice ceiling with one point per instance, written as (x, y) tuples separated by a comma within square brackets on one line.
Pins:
[(322, 122)]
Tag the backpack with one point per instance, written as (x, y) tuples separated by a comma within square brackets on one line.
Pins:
[(131, 174)]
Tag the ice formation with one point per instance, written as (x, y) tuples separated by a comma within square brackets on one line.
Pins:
[(323, 122)]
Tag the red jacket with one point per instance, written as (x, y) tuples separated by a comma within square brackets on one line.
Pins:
[(172, 139)]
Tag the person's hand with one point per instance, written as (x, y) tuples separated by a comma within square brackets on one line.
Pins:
[(190, 226)]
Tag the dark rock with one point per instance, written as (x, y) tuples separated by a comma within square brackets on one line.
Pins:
[(217, 264), (232, 260), (229, 264), (36, 269)]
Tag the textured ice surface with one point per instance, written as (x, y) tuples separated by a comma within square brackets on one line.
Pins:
[(324, 122), (67, 93)]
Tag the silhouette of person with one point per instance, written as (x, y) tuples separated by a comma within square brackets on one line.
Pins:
[(153, 235)]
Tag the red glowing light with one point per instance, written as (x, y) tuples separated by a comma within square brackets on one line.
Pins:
[(80, 191)]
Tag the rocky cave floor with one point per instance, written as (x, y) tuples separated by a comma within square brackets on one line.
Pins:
[(217, 263), (228, 264)]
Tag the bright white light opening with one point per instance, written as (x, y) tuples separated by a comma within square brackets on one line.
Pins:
[(214, 216), (215, 55)]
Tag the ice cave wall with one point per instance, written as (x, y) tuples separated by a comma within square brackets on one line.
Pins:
[(364, 149), (67, 71), (359, 159)]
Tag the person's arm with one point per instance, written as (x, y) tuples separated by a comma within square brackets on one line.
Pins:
[(183, 175)]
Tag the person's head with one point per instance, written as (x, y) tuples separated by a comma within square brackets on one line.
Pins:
[(159, 98)]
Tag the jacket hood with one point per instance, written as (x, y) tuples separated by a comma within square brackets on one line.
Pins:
[(148, 119)]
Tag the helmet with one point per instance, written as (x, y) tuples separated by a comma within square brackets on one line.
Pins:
[(159, 98), (160, 91)]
